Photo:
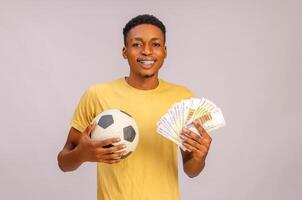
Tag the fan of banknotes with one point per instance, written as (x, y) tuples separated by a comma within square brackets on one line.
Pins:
[(182, 114)]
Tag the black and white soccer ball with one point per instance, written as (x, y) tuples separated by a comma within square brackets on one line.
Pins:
[(117, 123)]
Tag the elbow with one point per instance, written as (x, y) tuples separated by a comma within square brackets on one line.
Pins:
[(62, 168), (63, 164), (192, 172), (192, 175), (59, 160)]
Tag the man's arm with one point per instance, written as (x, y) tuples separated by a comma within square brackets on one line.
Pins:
[(68, 158), (79, 148), (194, 161), (191, 166)]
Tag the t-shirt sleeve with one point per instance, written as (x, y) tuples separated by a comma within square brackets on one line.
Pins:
[(85, 111)]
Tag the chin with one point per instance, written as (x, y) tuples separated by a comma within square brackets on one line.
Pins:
[(148, 75), (145, 73)]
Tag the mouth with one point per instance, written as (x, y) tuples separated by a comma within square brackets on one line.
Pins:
[(146, 63)]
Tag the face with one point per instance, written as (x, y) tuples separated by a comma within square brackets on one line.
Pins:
[(145, 50)]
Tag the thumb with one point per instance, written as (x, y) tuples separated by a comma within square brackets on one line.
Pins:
[(90, 128)]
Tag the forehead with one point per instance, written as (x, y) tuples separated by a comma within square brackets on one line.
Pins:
[(146, 32)]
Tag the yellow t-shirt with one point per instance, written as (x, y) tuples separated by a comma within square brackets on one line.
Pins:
[(151, 171)]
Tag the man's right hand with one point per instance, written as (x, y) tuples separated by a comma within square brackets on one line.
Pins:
[(80, 148), (96, 151)]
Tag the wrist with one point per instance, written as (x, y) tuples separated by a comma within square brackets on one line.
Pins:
[(79, 156), (201, 161)]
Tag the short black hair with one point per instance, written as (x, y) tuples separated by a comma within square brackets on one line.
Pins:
[(143, 19)]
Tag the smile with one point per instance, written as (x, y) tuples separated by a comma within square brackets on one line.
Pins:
[(146, 64)]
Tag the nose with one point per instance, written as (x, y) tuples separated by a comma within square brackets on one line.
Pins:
[(147, 50)]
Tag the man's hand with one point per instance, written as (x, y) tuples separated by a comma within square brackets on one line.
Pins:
[(80, 148), (198, 145), (96, 151)]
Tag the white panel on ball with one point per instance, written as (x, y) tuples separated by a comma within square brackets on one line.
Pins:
[(116, 123)]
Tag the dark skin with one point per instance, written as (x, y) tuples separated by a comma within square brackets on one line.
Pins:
[(198, 146), (144, 42), (80, 148), (145, 52)]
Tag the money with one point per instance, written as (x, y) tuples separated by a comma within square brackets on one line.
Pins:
[(182, 114)]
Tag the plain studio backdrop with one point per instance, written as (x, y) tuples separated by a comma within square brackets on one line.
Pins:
[(245, 56)]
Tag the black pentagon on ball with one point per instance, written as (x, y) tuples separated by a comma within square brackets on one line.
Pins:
[(129, 133), (105, 121)]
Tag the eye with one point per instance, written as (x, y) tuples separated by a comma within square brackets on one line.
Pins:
[(136, 45), (156, 44)]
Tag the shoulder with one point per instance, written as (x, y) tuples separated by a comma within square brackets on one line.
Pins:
[(102, 87), (178, 88)]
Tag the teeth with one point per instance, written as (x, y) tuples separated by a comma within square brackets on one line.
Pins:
[(147, 62)]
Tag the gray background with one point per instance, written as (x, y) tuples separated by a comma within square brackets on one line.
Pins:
[(245, 56)]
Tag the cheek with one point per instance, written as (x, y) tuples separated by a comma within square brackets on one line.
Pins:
[(160, 53), (131, 59), (160, 57), (132, 55)]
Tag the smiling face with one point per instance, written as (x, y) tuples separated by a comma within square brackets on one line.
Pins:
[(145, 50)]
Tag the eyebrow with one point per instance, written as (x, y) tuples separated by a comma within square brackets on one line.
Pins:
[(140, 39)]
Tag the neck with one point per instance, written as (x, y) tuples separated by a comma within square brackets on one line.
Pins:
[(143, 83)]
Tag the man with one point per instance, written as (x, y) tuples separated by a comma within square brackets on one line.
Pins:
[(151, 171)]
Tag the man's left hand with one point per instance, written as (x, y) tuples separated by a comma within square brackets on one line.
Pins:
[(198, 144)]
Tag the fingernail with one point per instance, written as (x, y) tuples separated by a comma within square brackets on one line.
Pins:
[(117, 139)]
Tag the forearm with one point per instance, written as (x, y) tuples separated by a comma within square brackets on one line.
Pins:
[(69, 160), (193, 167)]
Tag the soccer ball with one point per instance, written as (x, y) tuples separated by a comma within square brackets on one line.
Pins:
[(116, 123)]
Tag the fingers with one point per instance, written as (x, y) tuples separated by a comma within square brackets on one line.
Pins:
[(191, 134), (190, 147), (112, 156), (104, 151), (199, 128), (191, 138), (112, 149), (114, 152), (106, 142), (194, 141), (198, 149), (202, 131), (198, 154)]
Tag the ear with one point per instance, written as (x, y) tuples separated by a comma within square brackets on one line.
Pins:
[(166, 52), (124, 53)]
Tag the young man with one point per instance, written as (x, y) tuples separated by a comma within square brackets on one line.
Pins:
[(151, 171)]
